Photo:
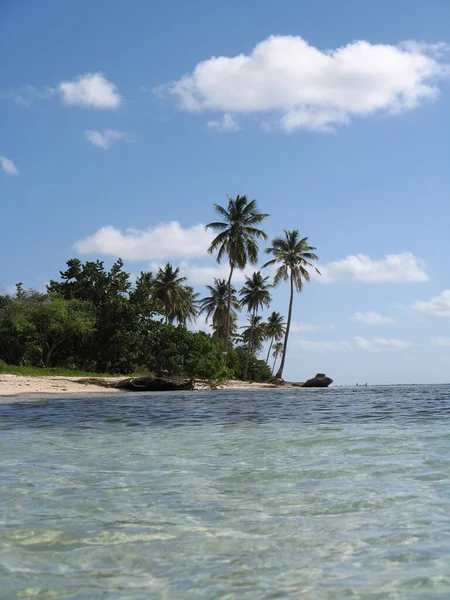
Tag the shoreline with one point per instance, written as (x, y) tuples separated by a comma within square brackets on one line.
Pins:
[(25, 385)]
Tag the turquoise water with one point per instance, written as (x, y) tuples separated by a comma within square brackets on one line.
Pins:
[(312, 494)]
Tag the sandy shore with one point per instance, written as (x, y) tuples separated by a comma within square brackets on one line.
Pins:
[(13, 385)]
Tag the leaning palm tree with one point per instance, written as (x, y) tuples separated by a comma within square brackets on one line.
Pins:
[(168, 290), (255, 294), (215, 306), (292, 255), (277, 350), (236, 240), (275, 329)]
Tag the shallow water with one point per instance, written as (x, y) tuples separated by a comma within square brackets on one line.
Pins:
[(312, 494)]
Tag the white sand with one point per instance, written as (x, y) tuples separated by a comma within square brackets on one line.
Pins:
[(13, 385)]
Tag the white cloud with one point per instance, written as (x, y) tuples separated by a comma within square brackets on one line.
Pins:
[(91, 90), (404, 267), (372, 318), (310, 88), (355, 343), (226, 123), (299, 326), (166, 240), (105, 139), (443, 342), (377, 344), (8, 166), (439, 306)]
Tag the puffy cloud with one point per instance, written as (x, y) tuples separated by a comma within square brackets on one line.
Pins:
[(8, 166), (355, 343), (404, 267), (105, 139), (91, 90), (226, 123), (372, 318), (310, 88), (439, 306), (167, 240)]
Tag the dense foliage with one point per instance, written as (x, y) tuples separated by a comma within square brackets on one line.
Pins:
[(97, 320)]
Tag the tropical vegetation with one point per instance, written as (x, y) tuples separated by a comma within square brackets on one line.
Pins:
[(98, 320)]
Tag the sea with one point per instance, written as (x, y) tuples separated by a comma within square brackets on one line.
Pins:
[(340, 493)]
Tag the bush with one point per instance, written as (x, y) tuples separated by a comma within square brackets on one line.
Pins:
[(174, 350), (257, 369)]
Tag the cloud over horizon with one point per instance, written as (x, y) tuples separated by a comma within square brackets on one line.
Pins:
[(400, 268), (355, 343), (372, 318), (300, 86)]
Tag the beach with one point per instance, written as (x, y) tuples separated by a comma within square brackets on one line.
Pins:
[(14, 385)]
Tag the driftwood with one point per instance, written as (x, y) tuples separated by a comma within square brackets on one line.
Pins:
[(155, 384), (142, 384)]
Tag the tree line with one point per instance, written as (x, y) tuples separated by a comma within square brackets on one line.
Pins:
[(97, 320)]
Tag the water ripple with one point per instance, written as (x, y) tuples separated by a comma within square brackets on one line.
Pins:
[(312, 494)]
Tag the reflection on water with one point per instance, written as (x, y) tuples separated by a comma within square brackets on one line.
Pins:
[(339, 493)]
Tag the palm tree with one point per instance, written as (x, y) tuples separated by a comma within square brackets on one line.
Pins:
[(168, 289), (275, 328), (187, 307), (255, 295), (277, 350), (254, 334), (292, 255), (216, 304), (236, 240)]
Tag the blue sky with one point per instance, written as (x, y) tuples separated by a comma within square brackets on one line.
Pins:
[(118, 131)]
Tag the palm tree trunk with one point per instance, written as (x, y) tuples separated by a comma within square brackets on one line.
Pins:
[(279, 374), (270, 348), (227, 338), (274, 362), (250, 352)]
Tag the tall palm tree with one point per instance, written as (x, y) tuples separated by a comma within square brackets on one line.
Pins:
[(275, 328), (236, 240), (292, 255), (168, 288), (277, 350), (216, 306), (255, 294)]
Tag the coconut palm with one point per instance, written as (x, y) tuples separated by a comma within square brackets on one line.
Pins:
[(275, 328), (168, 289), (187, 306), (236, 240), (255, 294), (254, 334), (292, 255), (216, 306), (277, 350)]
